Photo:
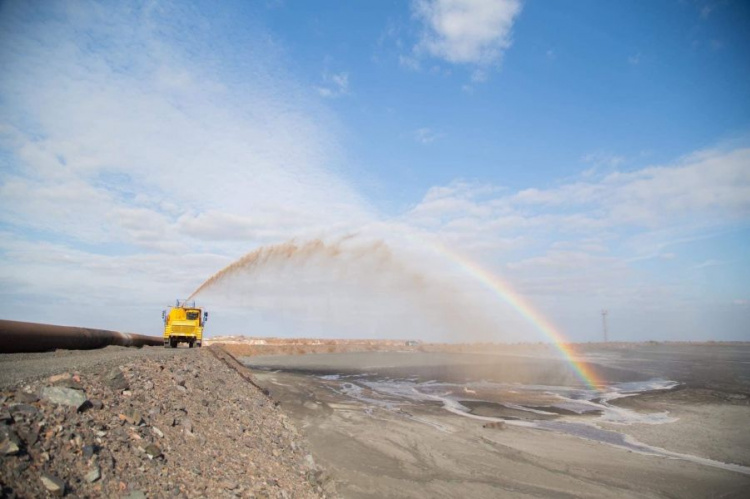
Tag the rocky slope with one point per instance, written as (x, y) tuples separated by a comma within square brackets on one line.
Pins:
[(189, 425)]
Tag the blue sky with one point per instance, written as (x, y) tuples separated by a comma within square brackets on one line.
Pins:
[(593, 154), (586, 79)]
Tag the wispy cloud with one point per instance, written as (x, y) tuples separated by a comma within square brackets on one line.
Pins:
[(334, 84), (598, 226), (603, 160), (409, 62), (127, 145), (706, 10), (426, 135), (709, 263)]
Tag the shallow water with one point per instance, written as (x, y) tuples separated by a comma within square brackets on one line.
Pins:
[(532, 399), (396, 394), (529, 392)]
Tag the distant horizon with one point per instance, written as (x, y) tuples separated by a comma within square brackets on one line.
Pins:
[(210, 338), (547, 343)]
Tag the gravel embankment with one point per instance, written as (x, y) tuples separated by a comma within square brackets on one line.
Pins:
[(16, 368), (162, 424)]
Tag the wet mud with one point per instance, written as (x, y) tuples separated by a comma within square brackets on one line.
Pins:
[(424, 418)]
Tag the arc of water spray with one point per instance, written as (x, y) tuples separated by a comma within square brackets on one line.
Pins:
[(285, 251), (292, 250), (442, 306)]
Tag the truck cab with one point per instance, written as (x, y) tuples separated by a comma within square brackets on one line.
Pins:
[(184, 323)]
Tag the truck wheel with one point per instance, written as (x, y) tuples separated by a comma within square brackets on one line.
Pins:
[(173, 343), (191, 344), (198, 344)]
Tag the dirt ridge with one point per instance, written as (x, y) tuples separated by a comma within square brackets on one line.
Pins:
[(189, 424)]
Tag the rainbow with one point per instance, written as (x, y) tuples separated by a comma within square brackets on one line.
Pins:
[(520, 304)]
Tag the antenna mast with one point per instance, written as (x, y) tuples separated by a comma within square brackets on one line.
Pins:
[(604, 325)]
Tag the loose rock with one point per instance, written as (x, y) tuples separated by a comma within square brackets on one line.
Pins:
[(133, 417), (26, 398), (26, 409), (66, 380), (153, 451), (10, 444), (60, 377), (29, 435), (64, 396), (116, 380), (53, 484), (89, 451), (187, 425), (93, 475), (9, 448)]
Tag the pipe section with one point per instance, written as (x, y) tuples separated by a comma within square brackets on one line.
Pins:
[(16, 337)]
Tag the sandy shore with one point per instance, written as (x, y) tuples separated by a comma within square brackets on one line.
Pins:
[(421, 450)]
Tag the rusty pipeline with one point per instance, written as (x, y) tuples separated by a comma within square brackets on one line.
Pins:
[(16, 337)]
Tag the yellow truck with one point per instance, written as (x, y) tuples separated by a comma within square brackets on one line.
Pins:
[(184, 323)]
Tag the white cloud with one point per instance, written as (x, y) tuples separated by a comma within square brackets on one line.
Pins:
[(603, 160), (708, 263), (473, 32), (579, 239), (426, 135), (479, 76), (562, 260), (55, 283), (408, 62), (334, 84), (709, 184)]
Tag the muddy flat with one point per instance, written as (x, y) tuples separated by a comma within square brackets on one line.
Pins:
[(447, 425)]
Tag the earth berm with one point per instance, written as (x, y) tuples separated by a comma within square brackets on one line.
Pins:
[(185, 425)]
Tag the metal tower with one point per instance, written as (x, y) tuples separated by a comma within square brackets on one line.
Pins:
[(604, 325)]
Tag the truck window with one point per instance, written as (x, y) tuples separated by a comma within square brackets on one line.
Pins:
[(193, 315)]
